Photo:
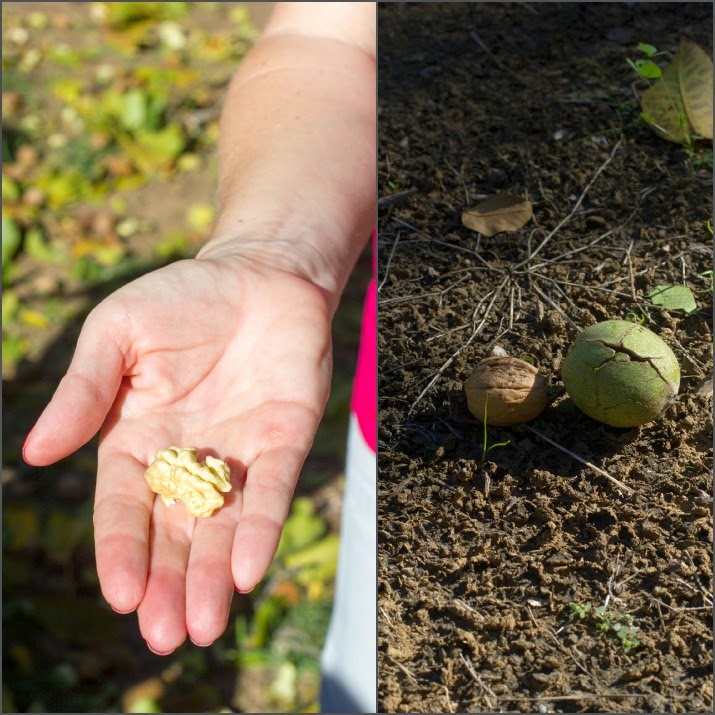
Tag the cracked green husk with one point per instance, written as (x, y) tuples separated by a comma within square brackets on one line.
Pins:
[(621, 373)]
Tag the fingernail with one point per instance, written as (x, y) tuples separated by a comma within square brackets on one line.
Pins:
[(156, 652), (201, 645), (244, 591), (24, 447), (121, 613)]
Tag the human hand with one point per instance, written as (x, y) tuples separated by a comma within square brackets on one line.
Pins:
[(232, 357)]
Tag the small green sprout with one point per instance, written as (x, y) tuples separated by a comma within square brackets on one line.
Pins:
[(607, 622), (645, 68), (486, 447), (635, 316), (579, 610)]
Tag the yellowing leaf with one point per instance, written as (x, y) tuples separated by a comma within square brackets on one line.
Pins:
[(696, 86), (502, 212), (200, 216), (663, 107), (33, 318), (680, 104)]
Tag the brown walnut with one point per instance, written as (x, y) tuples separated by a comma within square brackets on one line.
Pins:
[(512, 390)]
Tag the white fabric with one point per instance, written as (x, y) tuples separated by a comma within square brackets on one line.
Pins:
[(349, 659)]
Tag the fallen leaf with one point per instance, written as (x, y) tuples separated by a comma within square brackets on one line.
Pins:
[(674, 298), (33, 318), (680, 103), (696, 85), (501, 212)]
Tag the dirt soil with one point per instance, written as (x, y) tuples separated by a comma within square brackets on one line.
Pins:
[(480, 558)]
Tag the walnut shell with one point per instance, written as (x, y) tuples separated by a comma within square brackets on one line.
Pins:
[(512, 390)]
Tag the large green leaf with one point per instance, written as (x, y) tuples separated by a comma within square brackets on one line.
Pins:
[(674, 297)]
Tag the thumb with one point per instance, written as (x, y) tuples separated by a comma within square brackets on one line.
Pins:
[(85, 394)]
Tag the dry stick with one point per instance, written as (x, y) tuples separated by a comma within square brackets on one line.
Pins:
[(590, 244), (630, 270), (476, 332), (600, 289), (562, 647), (555, 306), (580, 459), (389, 261), (488, 692), (448, 245), (504, 66), (395, 198), (583, 696), (573, 211)]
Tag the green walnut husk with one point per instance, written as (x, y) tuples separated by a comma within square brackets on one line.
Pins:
[(621, 373)]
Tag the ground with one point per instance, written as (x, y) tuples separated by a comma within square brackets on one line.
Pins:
[(503, 568)]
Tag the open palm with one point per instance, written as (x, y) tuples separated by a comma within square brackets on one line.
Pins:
[(233, 358)]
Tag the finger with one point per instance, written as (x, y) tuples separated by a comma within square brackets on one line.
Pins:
[(162, 611), (84, 395), (209, 586), (122, 510), (269, 487)]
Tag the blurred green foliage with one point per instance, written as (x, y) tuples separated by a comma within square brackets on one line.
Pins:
[(110, 119)]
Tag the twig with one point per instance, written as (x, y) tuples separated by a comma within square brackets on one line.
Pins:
[(474, 334), (489, 695), (555, 306), (596, 469), (582, 696), (395, 198), (562, 647), (449, 698), (680, 608), (389, 261), (573, 211), (470, 251), (504, 66), (403, 668)]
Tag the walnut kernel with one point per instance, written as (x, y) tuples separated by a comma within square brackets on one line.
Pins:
[(177, 475)]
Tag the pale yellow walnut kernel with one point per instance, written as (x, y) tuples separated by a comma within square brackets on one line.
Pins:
[(176, 475)]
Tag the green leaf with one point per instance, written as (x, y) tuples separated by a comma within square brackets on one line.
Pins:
[(10, 190), (150, 151), (123, 14), (134, 110), (37, 247), (10, 306), (302, 527), (674, 297), (647, 49), (11, 239), (145, 705), (316, 562), (14, 349), (175, 244), (648, 69)]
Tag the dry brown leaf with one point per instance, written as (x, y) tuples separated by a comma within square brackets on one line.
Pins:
[(501, 212), (679, 104), (696, 86)]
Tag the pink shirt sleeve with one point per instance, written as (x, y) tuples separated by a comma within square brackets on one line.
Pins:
[(364, 399)]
